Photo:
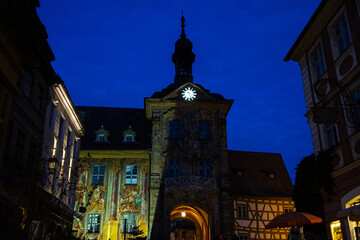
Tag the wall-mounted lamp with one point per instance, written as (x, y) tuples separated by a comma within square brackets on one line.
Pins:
[(52, 164)]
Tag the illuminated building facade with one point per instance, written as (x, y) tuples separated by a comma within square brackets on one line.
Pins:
[(165, 168), (327, 51), (28, 87)]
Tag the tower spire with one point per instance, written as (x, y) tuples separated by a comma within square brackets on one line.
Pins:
[(182, 36), (183, 57)]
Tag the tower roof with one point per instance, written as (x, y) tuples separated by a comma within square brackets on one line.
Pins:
[(183, 57)]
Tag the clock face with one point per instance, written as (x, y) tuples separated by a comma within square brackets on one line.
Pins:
[(189, 94)]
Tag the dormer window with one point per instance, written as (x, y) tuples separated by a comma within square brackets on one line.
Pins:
[(129, 135), (129, 138), (101, 135)]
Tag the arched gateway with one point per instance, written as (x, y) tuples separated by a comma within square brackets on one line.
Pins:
[(188, 222)]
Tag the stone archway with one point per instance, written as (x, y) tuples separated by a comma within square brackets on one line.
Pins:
[(184, 214)]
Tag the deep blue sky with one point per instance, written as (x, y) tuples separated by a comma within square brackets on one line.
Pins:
[(114, 53)]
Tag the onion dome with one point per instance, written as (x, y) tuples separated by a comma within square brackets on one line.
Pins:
[(183, 57)]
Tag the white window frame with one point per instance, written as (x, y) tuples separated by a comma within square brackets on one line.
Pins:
[(130, 222), (93, 223), (98, 177), (333, 35), (131, 174), (242, 211)]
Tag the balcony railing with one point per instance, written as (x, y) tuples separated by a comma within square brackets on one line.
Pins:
[(190, 183)]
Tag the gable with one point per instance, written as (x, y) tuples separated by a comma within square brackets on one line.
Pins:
[(190, 92)]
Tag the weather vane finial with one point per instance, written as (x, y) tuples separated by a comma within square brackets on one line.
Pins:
[(183, 36)]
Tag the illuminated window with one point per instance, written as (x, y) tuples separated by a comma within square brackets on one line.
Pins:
[(205, 168), (130, 220), (319, 63), (242, 211), (204, 129), (93, 223), (174, 129), (336, 230), (98, 175), (342, 34), (131, 174), (174, 167)]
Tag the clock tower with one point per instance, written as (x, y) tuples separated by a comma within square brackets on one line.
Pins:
[(189, 171)]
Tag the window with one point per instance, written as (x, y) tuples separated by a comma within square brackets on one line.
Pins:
[(27, 84), (69, 140), (94, 221), (130, 220), (131, 174), (319, 63), (342, 34), (61, 129), (52, 116), (205, 168), (204, 130), (174, 167), (183, 234), (242, 211), (330, 135), (243, 237), (174, 129), (101, 137), (98, 175), (356, 102), (129, 138), (20, 143), (31, 157), (39, 95)]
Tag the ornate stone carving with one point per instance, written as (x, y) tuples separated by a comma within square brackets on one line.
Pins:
[(187, 183)]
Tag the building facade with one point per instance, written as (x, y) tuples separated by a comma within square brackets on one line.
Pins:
[(327, 51), (163, 172), (28, 84), (56, 184), (25, 58), (260, 191)]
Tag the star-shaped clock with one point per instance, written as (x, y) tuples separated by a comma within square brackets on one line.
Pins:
[(189, 94)]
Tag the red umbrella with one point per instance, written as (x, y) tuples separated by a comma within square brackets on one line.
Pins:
[(293, 219)]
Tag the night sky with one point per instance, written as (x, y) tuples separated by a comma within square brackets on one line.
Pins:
[(114, 53)]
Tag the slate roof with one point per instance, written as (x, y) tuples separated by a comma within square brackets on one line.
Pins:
[(256, 168), (116, 121)]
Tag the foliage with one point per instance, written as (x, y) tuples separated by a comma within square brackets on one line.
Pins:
[(312, 183), (136, 234)]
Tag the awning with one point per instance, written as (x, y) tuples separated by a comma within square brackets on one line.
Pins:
[(352, 212)]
